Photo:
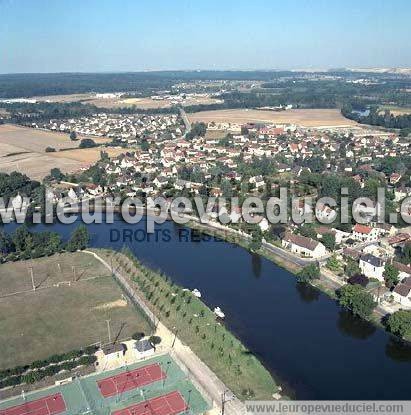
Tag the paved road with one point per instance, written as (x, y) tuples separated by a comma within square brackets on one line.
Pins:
[(186, 121)]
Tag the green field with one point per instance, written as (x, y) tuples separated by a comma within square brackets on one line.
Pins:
[(82, 394), (74, 297), (197, 327)]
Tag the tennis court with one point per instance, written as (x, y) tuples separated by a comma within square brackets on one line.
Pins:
[(136, 378), (160, 381), (49, 405), (171, 404)]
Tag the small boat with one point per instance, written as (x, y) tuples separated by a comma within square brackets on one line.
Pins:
[(218, 312), (196, 293)]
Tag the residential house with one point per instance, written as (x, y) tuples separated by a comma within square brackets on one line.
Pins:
[(364, 233), (372, 266), (304, 246)]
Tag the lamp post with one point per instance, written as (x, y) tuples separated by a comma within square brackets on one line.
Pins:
[(224, 400)]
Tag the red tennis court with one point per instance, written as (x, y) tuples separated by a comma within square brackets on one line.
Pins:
[(126, 381), (49, 405), (171, 404)]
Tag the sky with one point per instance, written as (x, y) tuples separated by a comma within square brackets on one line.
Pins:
[(136, 35)]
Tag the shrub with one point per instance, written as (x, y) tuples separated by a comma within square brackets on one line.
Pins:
[(137, 336)]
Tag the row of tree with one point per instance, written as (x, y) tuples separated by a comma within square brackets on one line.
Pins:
[(24, 244)]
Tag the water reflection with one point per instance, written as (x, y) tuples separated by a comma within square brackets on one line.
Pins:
[(256, 265), (353, 326), (398, 350), (307, 293)]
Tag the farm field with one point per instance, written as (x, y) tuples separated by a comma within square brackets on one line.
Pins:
[(394, 110), (67, 311), (143, 103), (23, 149), (302, 117)]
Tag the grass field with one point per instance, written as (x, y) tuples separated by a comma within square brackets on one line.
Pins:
[(83, 394), (197, 327), (23, 149), (67, 311), (302, 117)]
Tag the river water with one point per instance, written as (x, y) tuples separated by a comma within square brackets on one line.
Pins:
[(317, 350)]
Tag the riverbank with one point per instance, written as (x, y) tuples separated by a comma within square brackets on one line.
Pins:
[(195, 325), (328, 283)]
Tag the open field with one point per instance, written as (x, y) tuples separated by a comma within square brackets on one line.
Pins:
[(67, 311), (302, 117), (23, 149), (143, 103), (64, 98)]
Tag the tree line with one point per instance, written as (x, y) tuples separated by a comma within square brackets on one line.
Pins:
[(24, 244)]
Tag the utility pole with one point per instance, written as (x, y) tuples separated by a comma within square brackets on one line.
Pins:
[(175, 337), (108, 330), (32, 278), (74, 272)]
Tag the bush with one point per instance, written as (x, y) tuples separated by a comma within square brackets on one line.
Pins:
[(399, 323), (50, 150), (155, 340), (309, 273), (137, 336), (355, 298), (87, 143)]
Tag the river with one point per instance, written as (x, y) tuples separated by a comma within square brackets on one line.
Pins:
[(302, 336)]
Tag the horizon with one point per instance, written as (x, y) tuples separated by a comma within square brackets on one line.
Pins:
[(139, 37), (330, 69)]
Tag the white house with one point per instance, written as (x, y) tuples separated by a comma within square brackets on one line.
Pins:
[(372, 266), (365, 233), (143, 348), (401, 293), (257, 180), (303, 246)]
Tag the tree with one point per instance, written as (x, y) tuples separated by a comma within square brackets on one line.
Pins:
[(256, 239), (22, 239), (145, 145), (390, 275), (352, 268), (87, 143), (333, 264), (399, 323), (226, 188), (79, 239), (309, 273), (198, 129), (56, 174), (6, 243), (356, 299), (328, 241), (137, 336), (73, 136), (308, 231)]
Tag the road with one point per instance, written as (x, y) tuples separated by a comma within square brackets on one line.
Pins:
[(186, 121)]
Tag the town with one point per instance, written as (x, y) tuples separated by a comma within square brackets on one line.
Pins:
[(205, 209)]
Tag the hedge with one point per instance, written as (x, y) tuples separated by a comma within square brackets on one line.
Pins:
[(47, 367)]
